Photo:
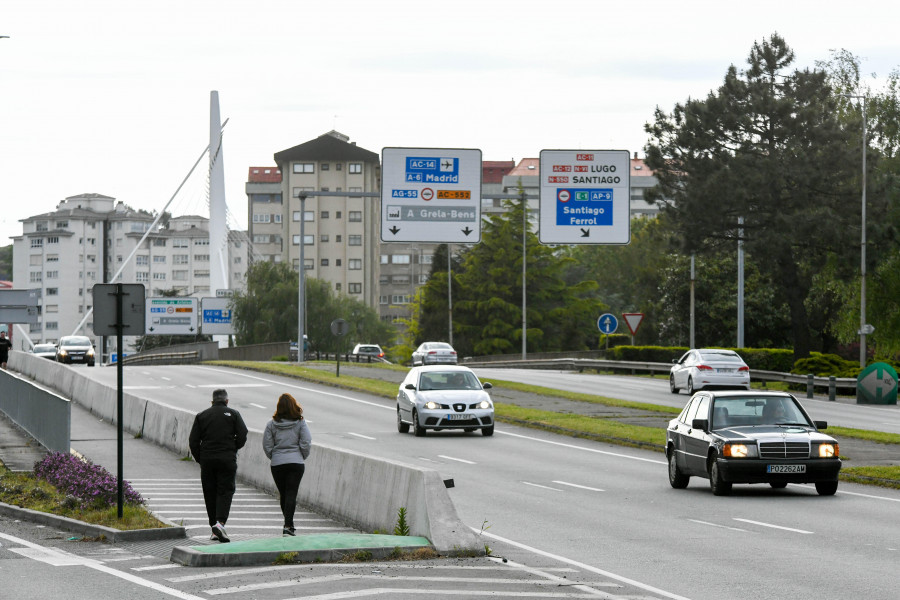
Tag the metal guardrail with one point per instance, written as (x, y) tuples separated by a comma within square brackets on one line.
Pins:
[(162, 358), (580, 364)]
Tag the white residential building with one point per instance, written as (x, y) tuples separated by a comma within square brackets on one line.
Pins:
[(87, 240)]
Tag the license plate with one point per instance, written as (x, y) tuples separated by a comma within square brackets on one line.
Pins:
[(457, 417), (786, 469), (724, 370)]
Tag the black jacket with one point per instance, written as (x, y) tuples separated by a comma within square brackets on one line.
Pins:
[(218, 432)]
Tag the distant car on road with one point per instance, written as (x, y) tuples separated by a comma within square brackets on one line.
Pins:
[(709, 368), (45, 351), (750, 437), (368, 350), (75, 349), (444, 397), (434, 353)]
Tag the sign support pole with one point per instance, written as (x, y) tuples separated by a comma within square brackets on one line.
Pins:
[(119, 401)]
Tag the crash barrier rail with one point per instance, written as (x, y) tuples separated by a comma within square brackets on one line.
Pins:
[(363, 491), (44, 415), (162, 358), (847, 385)]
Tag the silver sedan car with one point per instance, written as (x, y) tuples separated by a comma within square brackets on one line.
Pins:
[(444, 397), (434, 353), (709, 368)]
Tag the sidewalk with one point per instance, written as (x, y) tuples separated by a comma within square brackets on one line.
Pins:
[(163, 477)]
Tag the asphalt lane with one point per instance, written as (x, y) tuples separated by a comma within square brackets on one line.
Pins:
[(590, 505)]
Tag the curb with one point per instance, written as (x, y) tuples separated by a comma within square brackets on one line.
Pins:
[(301, 549), (87, 529)]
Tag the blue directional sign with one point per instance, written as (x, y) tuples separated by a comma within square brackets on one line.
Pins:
[(607, 323), (217, 318)]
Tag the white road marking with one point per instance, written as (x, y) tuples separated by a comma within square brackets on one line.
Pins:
[(258, 405), (543, 487), (393, 592), (166, 378), (97, 566), (574, 447), (580, 565), (417, 590), (374, 565), (157, 567), (761, 524), (462, 460), (717, 525), (233, 385), (575, 485), (359, 435)]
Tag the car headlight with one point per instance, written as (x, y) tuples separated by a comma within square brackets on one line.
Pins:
[(90, 352), (484, 404), (432, 405), (62, 352), (739, 451), (828, 450)]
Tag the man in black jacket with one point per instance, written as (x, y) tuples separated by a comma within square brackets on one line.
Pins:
[(216, 436)]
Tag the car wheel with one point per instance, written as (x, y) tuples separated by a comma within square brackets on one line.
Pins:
[(716, 484), (418, 430), (487, 431), (690, 386), (672, 387), (826, 488), (677, 479), (778, 485), (401, 426)]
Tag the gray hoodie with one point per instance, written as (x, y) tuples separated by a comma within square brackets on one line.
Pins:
[(287, 441)]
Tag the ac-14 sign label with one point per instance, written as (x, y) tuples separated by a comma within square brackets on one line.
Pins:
[(431, 195), (585, 197)]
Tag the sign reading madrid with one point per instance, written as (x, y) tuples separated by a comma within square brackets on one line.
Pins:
[(431, 195), (585, 197)]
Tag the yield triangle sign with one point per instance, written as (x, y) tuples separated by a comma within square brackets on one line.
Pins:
[(633, 320)]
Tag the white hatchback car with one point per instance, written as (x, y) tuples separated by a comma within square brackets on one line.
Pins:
[(434, 353), (709, 368), (444, 397)]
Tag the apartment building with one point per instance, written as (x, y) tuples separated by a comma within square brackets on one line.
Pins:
[(90, 237)]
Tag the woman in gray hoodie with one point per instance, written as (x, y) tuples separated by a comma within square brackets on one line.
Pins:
[(286, 442)]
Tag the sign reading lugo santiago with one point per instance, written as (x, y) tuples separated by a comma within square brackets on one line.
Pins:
[(585, 197)]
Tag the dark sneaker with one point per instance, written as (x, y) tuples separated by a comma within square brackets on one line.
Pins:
[(220, 533), (286, 531)]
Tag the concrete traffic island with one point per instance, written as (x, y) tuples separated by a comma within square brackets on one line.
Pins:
[(297, 549)]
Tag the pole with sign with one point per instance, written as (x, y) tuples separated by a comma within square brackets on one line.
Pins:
[(125, 303), (633, 320), (607, 324), (339, 328)]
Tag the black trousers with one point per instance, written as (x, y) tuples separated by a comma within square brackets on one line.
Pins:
[(217, 478), (287, 479)]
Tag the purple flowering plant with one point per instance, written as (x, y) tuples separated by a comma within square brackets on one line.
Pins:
[(89, 482)]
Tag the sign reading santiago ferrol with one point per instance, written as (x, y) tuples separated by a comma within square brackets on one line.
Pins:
[(585, 197), (430, 195)]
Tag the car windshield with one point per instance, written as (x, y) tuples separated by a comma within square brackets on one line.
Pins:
[(750, 411), (44, 348), (448, 380), (75, 341), (374, 349)]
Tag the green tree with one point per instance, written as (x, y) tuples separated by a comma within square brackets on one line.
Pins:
[(767, 147), (6, 256), (266, 311), (487, 311)]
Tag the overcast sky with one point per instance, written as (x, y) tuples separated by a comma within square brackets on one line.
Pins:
[(112, 97)]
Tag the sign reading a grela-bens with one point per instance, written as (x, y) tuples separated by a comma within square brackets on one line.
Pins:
[(585, 197), (431, 195)]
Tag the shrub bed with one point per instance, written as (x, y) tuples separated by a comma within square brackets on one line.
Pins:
[(89, 482)]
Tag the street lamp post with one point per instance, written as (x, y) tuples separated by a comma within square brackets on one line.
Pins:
[(301, 300), (863, 326)]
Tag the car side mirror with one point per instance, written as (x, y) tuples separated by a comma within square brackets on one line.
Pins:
[(674, 361), (821, 424), (701, 424), (410, 386), (487, 385)]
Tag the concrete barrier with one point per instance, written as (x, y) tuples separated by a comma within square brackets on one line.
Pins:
[(363, 491)]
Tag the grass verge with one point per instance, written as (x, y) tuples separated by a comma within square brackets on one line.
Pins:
[(25, 491)]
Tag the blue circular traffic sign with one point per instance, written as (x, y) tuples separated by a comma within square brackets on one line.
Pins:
[(607, 323)]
